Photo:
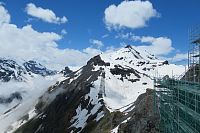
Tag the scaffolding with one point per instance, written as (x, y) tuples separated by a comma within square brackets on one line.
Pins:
[(193, 73), (179, 105), (179, 99)]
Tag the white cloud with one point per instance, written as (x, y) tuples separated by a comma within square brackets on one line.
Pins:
[(105, 35), (112, 48), (158, 46), (63, 32), (46, 15), (96, 43), (180, 57), (28, 44), (128, 36), (4, 15), (92, 51), (131, 14)]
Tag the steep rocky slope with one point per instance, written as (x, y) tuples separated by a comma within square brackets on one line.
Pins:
[(37, 68), (99, 97)]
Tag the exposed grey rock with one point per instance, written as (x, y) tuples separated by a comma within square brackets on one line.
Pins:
[(37, 68), (9, 70)]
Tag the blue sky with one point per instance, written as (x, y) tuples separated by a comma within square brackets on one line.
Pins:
[(86, 22)]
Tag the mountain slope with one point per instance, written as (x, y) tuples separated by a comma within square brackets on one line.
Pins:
[(98, 97), (21, 84), (9, 70), (37, 68)]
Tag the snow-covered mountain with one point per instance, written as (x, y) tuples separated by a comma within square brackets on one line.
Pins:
[(37, 68), (99, 97), (21, 84), (11, 70)]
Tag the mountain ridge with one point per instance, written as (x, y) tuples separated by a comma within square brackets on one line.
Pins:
[(10, 69), (89, 99), (100, 96)]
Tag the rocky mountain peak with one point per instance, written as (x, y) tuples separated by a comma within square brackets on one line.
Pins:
[(96, 60), (13, 70), (10, 70), (37, 68), (128, 46), (66, 71)]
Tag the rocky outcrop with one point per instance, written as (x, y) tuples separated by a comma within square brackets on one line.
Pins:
[(37, 68), (66, 71), (192, 74), (144, 117)]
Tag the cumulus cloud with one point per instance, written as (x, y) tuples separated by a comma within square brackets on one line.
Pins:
[(46, 15), (29, 44), (96, 43), (128, 36), (4, 15), (160, 46), (92, 51), (131, 14), (180, 57), (156, 45)]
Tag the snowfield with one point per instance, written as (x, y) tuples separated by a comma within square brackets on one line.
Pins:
[(119, 93)]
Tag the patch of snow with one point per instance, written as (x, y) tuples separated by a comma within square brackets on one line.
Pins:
[(77, 74), (119, 93), (115, 130), (80, 119), (99, 116)]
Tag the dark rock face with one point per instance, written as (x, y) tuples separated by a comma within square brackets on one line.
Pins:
[(190, 76), (98, 61), (119, 70), (9, 69), (5, 100), (166, 63), (66, 71), (37, 68), (128, 46), (125, 73), (144, 118)]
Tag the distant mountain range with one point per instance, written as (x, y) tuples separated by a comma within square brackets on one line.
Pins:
[(21, 84), (11, 70)]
